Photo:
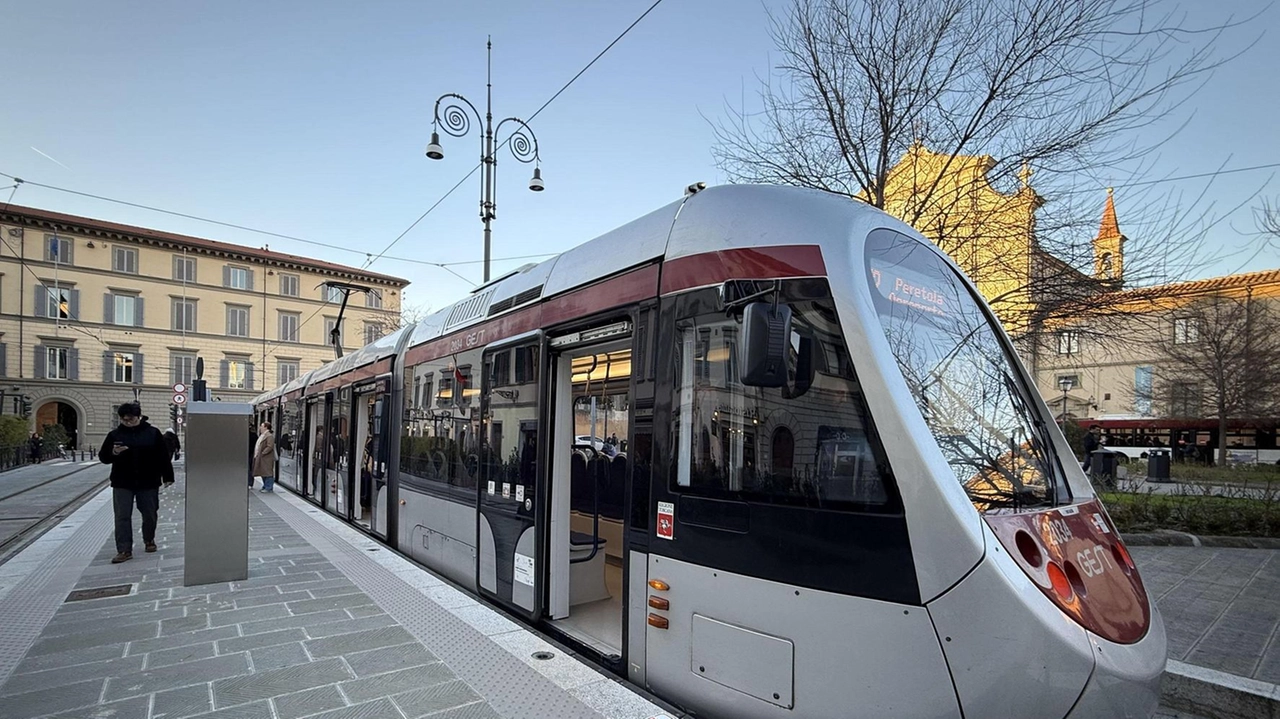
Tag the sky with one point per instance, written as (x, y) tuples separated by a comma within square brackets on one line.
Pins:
[(310, 119)]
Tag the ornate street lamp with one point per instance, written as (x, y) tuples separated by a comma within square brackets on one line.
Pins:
[(522, 143), (1065, 384)]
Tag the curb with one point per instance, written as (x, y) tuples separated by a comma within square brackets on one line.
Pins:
[(1171, 538), (1212, 693)]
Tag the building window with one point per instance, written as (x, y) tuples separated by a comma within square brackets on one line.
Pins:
[(1184, 399), (1186, 330), (184, 269), (237, 321), (58, 362), (124, 259), (184, 315), (1142, 393), (58, 249), (126, 310), (1074, 379), (329, 324), (57, 302), (501, 373), (289, 326), (122, 362), (526, 365), (237, 375), (286, 371), (333, 294), (372, 332), (1068, 342), (184, 367), (289, 285), (373, 298), (237, 278)]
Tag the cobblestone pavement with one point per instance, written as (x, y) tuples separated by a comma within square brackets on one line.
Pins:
[(298, 638), (1221, 606)]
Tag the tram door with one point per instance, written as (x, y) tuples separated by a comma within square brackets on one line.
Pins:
[(315, 446), (369, 496), (590, 413), (509, 568)]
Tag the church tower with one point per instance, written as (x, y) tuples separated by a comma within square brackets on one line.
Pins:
[(1108, 246)]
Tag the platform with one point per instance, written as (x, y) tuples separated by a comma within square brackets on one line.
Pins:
[(328, 624)]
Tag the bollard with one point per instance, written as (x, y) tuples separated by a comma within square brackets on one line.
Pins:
[(216, 525), (1158, 466)]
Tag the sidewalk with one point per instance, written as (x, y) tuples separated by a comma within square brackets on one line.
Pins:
[(327, 625)]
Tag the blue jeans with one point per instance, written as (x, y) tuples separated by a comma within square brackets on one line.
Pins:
[(268, 483), (148, 501)]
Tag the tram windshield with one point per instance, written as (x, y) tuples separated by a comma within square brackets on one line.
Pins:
[(962, 376)]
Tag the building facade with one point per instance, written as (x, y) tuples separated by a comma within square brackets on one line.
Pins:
[(94, 314)]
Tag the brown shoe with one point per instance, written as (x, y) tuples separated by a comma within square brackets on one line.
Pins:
[(122, 557), (151, 546)]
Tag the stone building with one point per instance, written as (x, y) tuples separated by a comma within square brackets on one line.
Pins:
[(95, 313)]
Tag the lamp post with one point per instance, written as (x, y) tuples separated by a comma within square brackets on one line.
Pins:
[(523, 145), (1065, 385)]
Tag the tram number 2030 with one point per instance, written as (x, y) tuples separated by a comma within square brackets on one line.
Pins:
[(1094, 561)]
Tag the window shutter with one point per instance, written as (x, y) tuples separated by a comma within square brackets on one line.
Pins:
[(42, 359), (42, 301), (108, 367), (108, 309), (74, 309), (73, 364), (138, 362), (224, 369), (4, 356), (250, 274), (226, 275), (138, 313), (248, 375), (177, 267)]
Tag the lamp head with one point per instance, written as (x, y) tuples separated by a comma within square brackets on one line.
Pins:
[(434, 151), (535, 183)]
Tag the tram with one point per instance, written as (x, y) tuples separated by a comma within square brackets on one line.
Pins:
[(764, 452)]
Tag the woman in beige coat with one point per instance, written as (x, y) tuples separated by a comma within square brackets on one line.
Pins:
[(264, 458)]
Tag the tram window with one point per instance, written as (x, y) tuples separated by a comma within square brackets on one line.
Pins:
[(811, 442), (969, 390), (442, 438)]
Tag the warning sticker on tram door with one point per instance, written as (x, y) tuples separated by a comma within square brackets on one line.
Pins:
[(666, 520)]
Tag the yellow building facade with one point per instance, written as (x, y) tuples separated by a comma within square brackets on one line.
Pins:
[(94, 314)]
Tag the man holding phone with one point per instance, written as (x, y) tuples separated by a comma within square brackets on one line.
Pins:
[(139, 460)]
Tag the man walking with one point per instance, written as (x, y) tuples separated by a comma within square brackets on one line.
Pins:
[(139, 460)]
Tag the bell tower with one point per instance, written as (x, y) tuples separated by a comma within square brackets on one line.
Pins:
[(1108, 246)]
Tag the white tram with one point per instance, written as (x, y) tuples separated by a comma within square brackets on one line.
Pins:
[(764, 452)]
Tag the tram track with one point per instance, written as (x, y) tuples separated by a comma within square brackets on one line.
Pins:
[(45, 518)]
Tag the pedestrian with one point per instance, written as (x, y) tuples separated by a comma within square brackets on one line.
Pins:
[(172, 443), (33, 447), (264, 458), (139, 461), (253, 446), (1090, 444)]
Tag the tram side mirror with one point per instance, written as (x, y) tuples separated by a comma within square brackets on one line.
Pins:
[(764, 344), (806, 370)]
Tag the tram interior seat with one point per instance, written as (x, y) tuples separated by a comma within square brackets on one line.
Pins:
[(598, 482)]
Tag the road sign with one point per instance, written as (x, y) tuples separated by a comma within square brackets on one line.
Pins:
[(179, 388), (179, 399)]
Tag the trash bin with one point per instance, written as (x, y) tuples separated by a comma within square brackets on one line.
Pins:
[(1103, 466), (216, 526), (1158, 466)]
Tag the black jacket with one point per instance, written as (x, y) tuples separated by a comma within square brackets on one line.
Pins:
[(146, 461)]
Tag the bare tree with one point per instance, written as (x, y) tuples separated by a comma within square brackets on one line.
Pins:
[(1220, 358), (407, 315), (883, 100)]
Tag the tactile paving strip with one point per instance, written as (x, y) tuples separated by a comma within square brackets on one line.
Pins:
[(29, 606), (511, 687)]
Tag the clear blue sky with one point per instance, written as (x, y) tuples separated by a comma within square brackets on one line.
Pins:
[(311, 118)]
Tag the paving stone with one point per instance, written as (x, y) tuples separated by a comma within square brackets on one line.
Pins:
[(51, 701), (112, 635), (376, 709), (236, 616), (348, 626), (269, 599), (178, 675), (123, 709), (388, 659), (261, 685), (71, 657), (49, 679), (479, 710), (379, 685), (143, 646), (335, 591), (361, 612), (184, 702), (266, 639), (137, 600), (169, 627), (302, 620), (311, 701), (178, 655), (308, 606), (358, 641), (64, 626), (260, 710), (437, 698), (278, 657)]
